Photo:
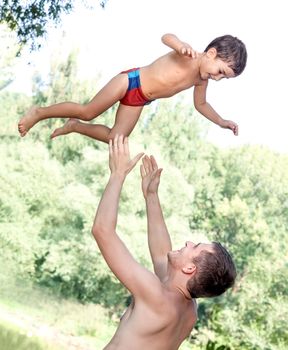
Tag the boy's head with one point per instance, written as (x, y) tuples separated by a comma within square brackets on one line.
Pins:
[(231, 50)]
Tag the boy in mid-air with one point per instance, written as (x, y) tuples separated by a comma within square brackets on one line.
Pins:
[(178, 70)]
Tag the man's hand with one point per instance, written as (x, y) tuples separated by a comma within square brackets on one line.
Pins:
[(119, 156), (228, 124), (150, 175)]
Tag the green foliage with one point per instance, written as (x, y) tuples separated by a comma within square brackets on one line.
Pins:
[(50, 190), (29, 19), (8, 60)]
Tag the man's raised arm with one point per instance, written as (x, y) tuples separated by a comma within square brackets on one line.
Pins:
[(158, 237), (136, 278)]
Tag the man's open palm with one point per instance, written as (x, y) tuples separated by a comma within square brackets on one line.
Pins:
[(119, 156), (150, 175)]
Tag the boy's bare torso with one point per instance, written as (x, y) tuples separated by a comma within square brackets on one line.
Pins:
[(168, 75), (162, 327)]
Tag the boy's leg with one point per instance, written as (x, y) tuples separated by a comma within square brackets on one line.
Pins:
[(125, 121), (112, 92), (126, 118), (95, 131)]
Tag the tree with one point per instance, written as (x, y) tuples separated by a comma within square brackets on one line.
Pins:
[(8, 60), (49, 192), (29, 18)]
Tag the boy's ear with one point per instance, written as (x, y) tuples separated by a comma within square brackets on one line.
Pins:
[(189, 269), (212, 52)]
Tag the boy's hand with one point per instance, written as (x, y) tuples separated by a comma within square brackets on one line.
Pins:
[(186, 50), (150, 175), (119, 156), (228, 124)]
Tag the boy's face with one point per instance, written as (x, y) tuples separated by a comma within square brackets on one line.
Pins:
[(212, 67)]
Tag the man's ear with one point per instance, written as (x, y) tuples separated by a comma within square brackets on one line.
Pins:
[(189, 269), (212, 52)]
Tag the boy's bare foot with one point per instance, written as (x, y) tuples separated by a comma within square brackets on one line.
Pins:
[(66, 128), (28, 121)]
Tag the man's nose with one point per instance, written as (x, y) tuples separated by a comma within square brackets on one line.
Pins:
[(189, 243)]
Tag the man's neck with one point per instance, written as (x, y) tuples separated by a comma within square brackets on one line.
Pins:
[(178, 288)]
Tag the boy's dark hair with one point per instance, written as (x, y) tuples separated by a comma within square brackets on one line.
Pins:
[(231, 50), (215, 273)]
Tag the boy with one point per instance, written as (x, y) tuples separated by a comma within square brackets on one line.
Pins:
[(178, 70)]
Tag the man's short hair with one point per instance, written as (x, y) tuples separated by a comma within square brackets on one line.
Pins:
[(231, 50), (215, 273)]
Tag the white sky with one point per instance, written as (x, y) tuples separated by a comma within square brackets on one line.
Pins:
[(128, 34)]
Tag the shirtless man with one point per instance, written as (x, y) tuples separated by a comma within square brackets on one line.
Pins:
[(180, 69), (164, 310)]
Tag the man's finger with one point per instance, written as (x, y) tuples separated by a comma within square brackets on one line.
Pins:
[(120, 143), (159, 171), (136, 159), (126, 145), (146, 163), (154, 174), (149, 164), (142, 171), (110, 147), (153, 162), (115, 143)]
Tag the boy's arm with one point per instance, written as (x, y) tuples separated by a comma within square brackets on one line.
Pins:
[(179, 46), (138, 280), (206, 109), (158, 237)]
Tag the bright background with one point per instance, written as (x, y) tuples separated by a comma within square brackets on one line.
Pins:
[(128, 34)]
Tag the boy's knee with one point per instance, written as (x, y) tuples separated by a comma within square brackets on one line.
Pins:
[(86, 113), (113, 132), (111, 135)]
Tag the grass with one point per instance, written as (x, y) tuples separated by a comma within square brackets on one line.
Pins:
[(36, 318), (12, 337)]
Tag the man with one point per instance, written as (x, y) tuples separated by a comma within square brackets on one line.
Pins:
[(163, 311)]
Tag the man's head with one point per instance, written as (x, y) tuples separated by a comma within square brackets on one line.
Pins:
[(215, 272), (209, 267), (230, 50)]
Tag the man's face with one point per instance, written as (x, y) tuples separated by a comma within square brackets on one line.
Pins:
[(188, 253), (214, 68)]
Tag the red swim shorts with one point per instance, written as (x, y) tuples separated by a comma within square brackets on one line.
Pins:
[(134, 95)]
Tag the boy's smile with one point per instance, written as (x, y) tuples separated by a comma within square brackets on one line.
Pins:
[(212, 67), (216, 71), (222, 71)]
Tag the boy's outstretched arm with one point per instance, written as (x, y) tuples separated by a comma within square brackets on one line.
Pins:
[(158, 237), (179, 46), (206, 109), (137, 279)]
